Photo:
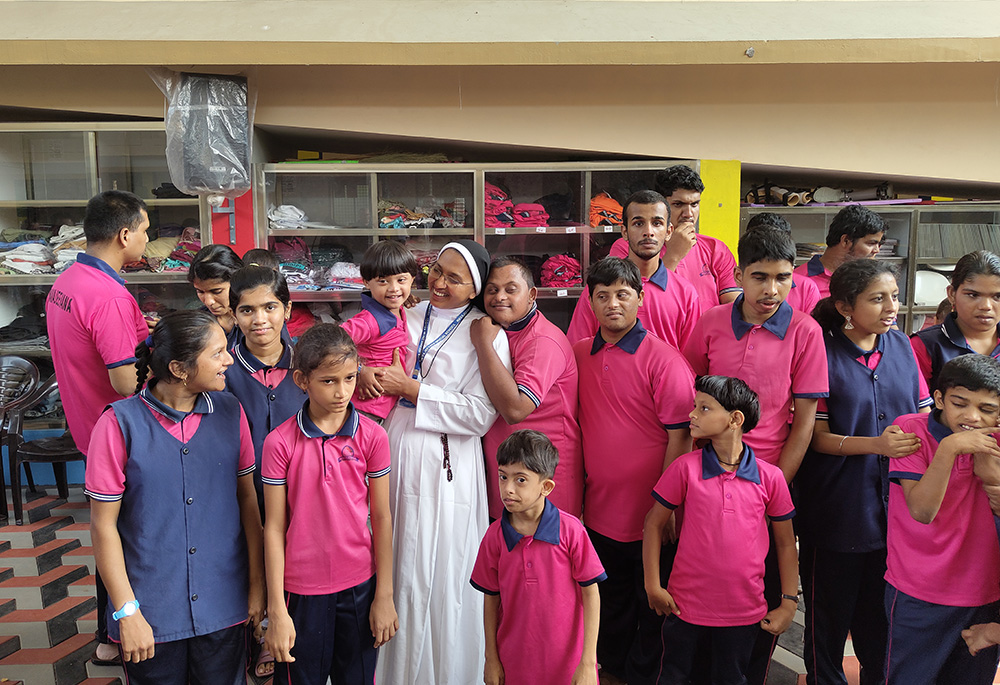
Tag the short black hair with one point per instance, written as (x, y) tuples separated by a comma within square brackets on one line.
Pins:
[(734, 395), (610, 270), (110, 212), (643, 197), (678, 177), (765, 244), (978, 263), (214, 263), (971, 371), (250, 277), (179, 336), (531, 448), (505, 261), (855, 222), (320, 342), (388, 258), (258, 256), (769, 220)]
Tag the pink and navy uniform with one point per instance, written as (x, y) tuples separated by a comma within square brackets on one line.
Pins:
[(175, 475), (943, 576), (804, 295), (936, 346), (268, 394), (329, 551), (709, 266), (545, 371), (538, 578), (669, 310), (817, 273), (377, 332), (782, 359), (94, 324)]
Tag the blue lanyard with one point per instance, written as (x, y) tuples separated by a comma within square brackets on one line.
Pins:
[(423, 349)]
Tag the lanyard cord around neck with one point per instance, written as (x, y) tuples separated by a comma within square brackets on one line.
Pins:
[(423, 347)]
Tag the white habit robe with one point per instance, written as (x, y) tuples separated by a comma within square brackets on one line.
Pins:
[(438, 524)]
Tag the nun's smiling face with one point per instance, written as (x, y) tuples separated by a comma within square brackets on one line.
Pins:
[(450, 281)]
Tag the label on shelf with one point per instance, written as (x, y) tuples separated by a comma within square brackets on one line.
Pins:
[(500, 230), (539, 229), (571, 229), (562, 292), (609, 229)]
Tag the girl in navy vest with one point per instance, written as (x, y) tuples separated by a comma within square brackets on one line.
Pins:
[(209, 273), (261, 374), (973, 323), (843, 485), (176, 530)]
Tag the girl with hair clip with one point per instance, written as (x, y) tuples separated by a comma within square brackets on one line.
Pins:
[(972, 326), (210, 272), (176, 531), (843, 483)]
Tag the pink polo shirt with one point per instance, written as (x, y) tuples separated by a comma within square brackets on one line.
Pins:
[(538, 578), (780, 360), (631, 393), (377, 332), (94, 325), (328, 547), (709, 266), (804, 295), (545, 371), (817, 273), (723, 535), (955, 559), (669, 310)]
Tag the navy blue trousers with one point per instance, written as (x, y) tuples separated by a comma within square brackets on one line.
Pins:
[(763, 647), (218, 658), (727, 650)]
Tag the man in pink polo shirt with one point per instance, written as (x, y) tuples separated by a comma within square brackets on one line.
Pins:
[(705, 262), (670, 306), (542, 392), (855, 233), (780, 354), (804, 294), (94, 325), (635, 395)]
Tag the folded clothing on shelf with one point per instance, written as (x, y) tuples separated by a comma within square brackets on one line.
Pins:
[(605, 210), (499, 208), (29, 258), (286, 216), (561, 271), (528, 215)]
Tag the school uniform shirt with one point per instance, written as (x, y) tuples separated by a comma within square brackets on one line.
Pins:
[(175, 475), (709, 266), (843, 499), (817, 273), (718, 574), (538, 578), (781, 359), (94, 325), (545, 371), (955, 559), (936, 346), (328, 547), (804, 295), (377, 332), (669, 310), (631, 393)]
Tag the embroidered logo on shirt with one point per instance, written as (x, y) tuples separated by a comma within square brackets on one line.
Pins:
[(347, 454)]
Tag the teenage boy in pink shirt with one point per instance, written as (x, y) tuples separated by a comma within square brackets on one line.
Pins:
[(671, 305), (635, 395), (728, 497), (804, 295), (542, 392), (538, 562), (94, 325), (943, 565), (855, 233)]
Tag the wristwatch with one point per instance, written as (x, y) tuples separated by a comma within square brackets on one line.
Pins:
[(128, 608), (794, 598)]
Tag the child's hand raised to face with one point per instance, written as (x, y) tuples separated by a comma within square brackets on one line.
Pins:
[(978, 441)]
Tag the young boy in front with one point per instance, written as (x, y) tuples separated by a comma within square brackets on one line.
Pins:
[(727, 497), (943, 566), (635, 395), (780, 354), (539, 562)]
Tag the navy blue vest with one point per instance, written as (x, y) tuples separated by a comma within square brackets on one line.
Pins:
[(843, 500), (944, 343), (266, 407), (182, 539)]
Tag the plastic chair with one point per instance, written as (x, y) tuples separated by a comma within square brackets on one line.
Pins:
[(18, 382), (56, 451)]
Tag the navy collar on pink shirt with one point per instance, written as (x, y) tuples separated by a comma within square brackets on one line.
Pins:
[(310, 430), (100, 265), (523, 322), (938, 430), (814, 267), (777, 324), (853, 350), (202, 405), (248, 361), (951, 331), (629, 342), (547, 531), (747, 470), (660, 278), (385, 319)]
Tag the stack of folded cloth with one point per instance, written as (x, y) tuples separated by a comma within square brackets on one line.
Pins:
[(345, 275), (561, 271), (286, 216), (605, 210), (528, 215), (499, 208), (29, 258)]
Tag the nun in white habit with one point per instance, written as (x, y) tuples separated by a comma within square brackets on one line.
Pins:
[(437, 484)]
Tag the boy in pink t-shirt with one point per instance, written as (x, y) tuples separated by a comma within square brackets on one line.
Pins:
[(539, 562), (727, 497)]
